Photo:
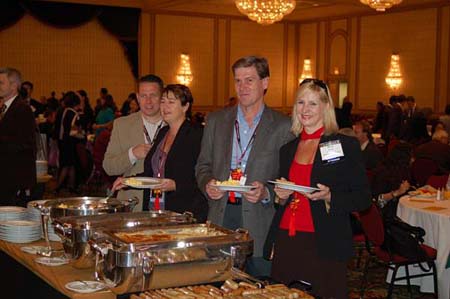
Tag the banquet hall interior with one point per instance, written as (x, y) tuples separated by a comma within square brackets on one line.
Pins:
[(371, 59)]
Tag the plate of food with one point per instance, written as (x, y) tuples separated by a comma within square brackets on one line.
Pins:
[(424, 192), (52, 261), (142, 182), (292, 186), (85, 286), (232, 185)]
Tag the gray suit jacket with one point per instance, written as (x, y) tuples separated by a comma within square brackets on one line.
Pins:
[(127, 132), (215, 159)]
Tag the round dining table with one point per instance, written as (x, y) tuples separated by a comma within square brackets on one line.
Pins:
[(434, 217)]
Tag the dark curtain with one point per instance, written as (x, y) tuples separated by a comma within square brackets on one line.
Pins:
[(122, 22)]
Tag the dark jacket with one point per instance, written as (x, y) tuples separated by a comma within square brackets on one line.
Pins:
[(436, 151), (349, 192), (372, 156), (18, 146), (180, 167)]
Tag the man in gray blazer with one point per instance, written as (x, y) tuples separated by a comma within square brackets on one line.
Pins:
[(132, 136), (244, 139)]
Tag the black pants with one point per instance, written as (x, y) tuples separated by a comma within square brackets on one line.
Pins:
[(296, 258)]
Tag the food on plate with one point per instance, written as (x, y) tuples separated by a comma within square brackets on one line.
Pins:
[(229, 182), (159, 235), (133, 181), (426, 190), (284, 182)]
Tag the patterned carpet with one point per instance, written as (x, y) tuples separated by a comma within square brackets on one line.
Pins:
[(377, 286)]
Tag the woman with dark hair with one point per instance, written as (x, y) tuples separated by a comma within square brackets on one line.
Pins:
[(105, 116), (173, 158), (85, 111), (66, 129), (126, 106), (391, 178)]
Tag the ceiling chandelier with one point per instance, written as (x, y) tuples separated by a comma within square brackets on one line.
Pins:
[(381, 5), (265, 12)]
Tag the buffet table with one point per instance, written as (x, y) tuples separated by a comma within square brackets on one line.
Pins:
[(434, 217), (56, 277)]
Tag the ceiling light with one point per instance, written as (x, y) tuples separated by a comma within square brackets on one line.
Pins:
[(265, 12), (381, 5)]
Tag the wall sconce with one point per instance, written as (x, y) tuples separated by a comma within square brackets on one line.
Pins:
[(394, 78), (336, 70), (184, 75), (306, 73)]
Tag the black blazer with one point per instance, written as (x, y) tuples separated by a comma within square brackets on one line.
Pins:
[(18, 146), (349, 192), (180, 167)]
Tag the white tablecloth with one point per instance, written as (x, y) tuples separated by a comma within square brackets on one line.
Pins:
[(436, 223)]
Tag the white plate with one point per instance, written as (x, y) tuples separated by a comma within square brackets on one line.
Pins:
[(417, 194), (33, 249), (293, 187), (144, 182), (12, 209), (85, 286), (51, 261), (234, 188)]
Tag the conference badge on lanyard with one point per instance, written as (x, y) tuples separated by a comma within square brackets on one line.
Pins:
[(331, 151)]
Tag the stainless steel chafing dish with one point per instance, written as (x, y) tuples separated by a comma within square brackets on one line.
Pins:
[(75, 231), (80, 206), (138, 259)]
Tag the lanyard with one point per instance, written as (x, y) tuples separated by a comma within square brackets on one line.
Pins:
[(238, 137), (147, 135)]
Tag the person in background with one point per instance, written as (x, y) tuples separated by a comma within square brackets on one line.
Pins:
[(437, 150), (370, 152), (98, 105), (36, 106), (17, 139), (53, 102), (125, 110), (391, 178), (173, 158), (134, 106), (67, 128), (85, 112), (310, 236), (380, 121), (133, 135), (243, 142), (445, 119), (105, 116), (231, 102)]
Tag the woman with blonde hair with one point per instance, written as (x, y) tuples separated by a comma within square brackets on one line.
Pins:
[(311, 237)]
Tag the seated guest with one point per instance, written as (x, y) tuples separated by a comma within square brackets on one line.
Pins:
[(391, 178), (173, 157), (445, 119), (105, 115), (419, 133), (311, 232), (370, 152), (437, 150)]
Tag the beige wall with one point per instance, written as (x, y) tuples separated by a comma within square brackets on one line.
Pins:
[(85, 57), (360, 46)]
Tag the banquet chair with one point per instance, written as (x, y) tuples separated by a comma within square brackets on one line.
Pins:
[(422, 169), (438, 181), (373, 226)]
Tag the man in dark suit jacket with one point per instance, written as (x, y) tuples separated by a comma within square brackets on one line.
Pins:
[(245, 137), (437, 150), (370, 152), (17, 139)]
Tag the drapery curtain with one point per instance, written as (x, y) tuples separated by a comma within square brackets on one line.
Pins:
[(122, 22)]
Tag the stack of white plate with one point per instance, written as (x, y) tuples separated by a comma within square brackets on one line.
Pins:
[(20, 231), (35, 215), (12, 213)]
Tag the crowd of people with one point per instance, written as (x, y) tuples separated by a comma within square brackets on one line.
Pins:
[(296, 235)]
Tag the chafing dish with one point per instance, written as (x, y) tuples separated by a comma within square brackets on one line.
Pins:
[(138, 259), (75, 231), (80, 206)]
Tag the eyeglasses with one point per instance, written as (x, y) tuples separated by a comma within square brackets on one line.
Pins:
[(317, 82)]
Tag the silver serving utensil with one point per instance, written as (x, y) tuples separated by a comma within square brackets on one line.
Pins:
[(108, 196)]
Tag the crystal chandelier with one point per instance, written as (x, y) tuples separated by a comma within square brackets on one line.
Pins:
[(306, 73), (394, 77), (265, 12), (184, 75), (381, 5)]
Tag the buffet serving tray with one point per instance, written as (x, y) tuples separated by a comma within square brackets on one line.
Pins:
[(141, 258), (75, 231)]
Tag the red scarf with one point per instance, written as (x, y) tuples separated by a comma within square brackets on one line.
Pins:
[(314, 135)]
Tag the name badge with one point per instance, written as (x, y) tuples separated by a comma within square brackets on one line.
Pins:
[(331, 151)]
